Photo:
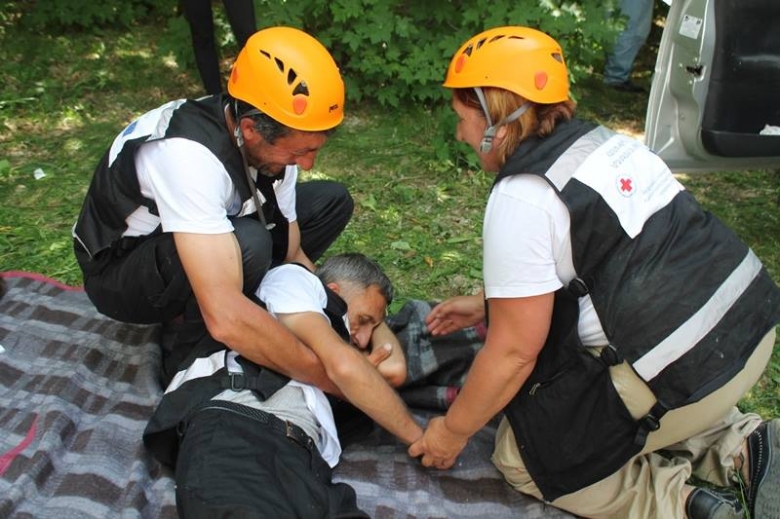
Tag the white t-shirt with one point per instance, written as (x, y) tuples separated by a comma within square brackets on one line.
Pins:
[(193, 191), (527, 247)]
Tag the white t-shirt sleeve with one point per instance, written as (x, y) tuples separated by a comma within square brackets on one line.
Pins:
[(285, 193), (525, 238), (188, 183), (290, 289)]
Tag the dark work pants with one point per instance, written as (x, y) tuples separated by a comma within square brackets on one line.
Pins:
[(231, 465), (199, 15), (147, 283)]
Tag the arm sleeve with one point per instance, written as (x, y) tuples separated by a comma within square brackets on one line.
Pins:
[(520, 239), (290, 289)]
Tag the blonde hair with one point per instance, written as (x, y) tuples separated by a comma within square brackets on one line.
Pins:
[(539, 119)]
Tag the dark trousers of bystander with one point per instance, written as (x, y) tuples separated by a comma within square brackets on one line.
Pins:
[(199, 15)]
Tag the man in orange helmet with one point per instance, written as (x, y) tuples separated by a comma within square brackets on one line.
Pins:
[(170, 232)]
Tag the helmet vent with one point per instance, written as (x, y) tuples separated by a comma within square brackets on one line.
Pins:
[(279, 64), (468, 50), (481, 42), (302, 89), (291, 75), (557, 57)]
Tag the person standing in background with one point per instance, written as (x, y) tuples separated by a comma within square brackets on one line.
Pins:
[(620, 61), (200, 17)]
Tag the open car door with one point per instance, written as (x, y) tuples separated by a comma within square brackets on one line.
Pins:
[(715, 98)]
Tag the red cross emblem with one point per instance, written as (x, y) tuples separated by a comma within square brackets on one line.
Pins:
[(625, 185)]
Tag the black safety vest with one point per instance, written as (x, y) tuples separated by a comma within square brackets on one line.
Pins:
[(684, 287), (160, 435), (115, 193)]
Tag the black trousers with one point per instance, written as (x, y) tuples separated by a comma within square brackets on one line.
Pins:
[(146, 284), (231, 464), (199, 15)]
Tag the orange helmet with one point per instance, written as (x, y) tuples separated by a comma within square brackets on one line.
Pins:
[(519, 59), (290, 76)]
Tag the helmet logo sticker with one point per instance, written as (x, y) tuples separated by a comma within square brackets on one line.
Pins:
[(299, 104), (460, 63), (540, 80)]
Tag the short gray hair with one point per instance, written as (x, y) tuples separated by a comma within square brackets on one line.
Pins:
[(356, 269)]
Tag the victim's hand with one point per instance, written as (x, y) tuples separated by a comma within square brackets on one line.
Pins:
[(455, 314), (378, 355), (439, 447)]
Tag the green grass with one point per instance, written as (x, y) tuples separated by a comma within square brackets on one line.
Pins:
[(64, 99)]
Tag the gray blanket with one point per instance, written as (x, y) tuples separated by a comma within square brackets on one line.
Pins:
[(77, 388)]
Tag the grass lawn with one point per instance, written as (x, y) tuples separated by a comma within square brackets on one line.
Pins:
[(64, 99)]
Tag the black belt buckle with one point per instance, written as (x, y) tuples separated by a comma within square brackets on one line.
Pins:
[(297, 435), (289, 431)]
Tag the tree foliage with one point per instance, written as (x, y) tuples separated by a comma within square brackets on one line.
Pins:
[(392, 52), (85, 15), (397, 52)]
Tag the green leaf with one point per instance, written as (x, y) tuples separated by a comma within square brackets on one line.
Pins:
[(400, 245)]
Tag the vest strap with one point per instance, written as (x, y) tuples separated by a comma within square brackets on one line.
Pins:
[(611, 356), (650, 422), (577, 287)]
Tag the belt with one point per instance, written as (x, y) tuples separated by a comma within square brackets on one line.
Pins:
[(287, 428)]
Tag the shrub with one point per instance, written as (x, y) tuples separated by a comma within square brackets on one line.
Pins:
[(57, 15), (397, 52)]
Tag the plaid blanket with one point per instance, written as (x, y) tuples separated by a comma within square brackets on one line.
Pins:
[(76, 390)]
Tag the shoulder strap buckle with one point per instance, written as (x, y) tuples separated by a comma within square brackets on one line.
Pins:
[(237, 381)]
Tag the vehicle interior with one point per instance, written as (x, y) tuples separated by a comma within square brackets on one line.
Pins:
[(744, 88)]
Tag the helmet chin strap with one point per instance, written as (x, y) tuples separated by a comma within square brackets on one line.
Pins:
[(490, 133), (238, 134), (237, 129)]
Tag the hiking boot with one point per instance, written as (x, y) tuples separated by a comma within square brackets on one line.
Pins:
[(708, 503), (763, 489)]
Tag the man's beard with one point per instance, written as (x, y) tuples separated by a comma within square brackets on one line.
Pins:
[(269, 170)]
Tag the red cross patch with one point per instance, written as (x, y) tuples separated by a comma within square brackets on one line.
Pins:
[(625, 185)]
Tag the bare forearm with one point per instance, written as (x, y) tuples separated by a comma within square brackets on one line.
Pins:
[(295, 253), (493, 380), (516, 335), (365, 388)]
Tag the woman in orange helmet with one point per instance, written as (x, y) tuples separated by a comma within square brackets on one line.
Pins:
[(624, 321)]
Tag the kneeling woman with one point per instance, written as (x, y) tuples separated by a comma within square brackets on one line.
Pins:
[(625, 322)]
